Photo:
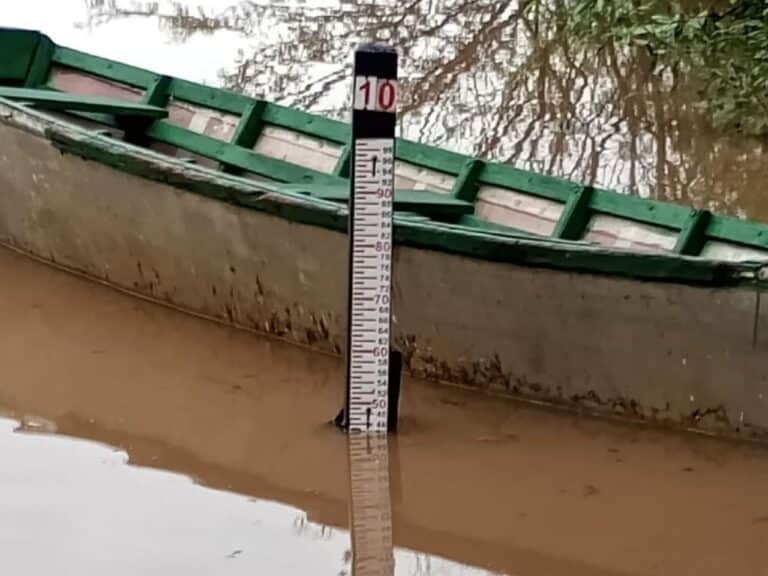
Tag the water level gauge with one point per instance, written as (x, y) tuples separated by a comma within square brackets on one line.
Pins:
[(371, 207)]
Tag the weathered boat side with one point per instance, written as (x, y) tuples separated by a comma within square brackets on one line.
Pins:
[(266, 142), (650, 336)]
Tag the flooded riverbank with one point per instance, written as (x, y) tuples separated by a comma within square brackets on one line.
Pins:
[(474, 481)]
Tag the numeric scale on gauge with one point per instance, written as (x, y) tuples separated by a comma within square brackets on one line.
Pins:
[(373, 367)]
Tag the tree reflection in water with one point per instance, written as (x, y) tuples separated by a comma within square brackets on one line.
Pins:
[(480, 77)]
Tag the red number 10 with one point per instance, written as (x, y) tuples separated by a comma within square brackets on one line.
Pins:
[(373, 93)]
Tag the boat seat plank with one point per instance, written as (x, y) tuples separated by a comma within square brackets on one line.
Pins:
[(423, 202), (51, 100)]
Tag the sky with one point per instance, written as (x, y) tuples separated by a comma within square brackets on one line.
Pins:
[(92, 513), (134, 41)]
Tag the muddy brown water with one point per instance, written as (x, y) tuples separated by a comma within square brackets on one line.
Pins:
[(137, 439)]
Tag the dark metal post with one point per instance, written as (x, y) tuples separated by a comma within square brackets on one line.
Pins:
[(373, 368)]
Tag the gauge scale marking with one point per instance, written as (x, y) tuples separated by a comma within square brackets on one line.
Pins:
[(370, 259), (371, 205), (371, 285)]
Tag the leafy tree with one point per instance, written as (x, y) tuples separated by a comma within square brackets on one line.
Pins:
[(722, 46)]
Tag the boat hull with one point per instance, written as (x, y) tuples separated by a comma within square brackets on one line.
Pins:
[(692, 356)]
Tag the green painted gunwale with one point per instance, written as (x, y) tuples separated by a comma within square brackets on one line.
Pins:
[(50, 100), (468, 236)]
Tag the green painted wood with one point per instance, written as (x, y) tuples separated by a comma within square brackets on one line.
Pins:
[(17, 50), (40, 67), (344, 163), (248, 130), (564, 256), (428, 235), (639, 209), (575, 215), (410, 216), (104, 67), (237, 156), (50, 100), (340, 133), (157, 93), (506, 176), (250, 125), (424, 202), (309, 124), (693, 234), (214, 98), (465, 186), (430, 157), (735, 230)]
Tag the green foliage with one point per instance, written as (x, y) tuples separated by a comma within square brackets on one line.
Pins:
[(723, 46)]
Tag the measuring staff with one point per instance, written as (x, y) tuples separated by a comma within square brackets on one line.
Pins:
[(373, 370)]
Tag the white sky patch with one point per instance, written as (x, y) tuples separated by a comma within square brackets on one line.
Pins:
[(136, 41), (92, 513)]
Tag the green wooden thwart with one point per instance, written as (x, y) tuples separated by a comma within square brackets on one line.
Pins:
[(693, 234), (465, 187), (247, 132), (50, 100), (575, 215), (157, 92), (250, 125)]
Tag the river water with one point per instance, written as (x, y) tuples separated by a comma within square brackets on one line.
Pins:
[(476, 76), (138, 440)]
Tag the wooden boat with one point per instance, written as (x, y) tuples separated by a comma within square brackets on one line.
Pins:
[(504, 280)]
